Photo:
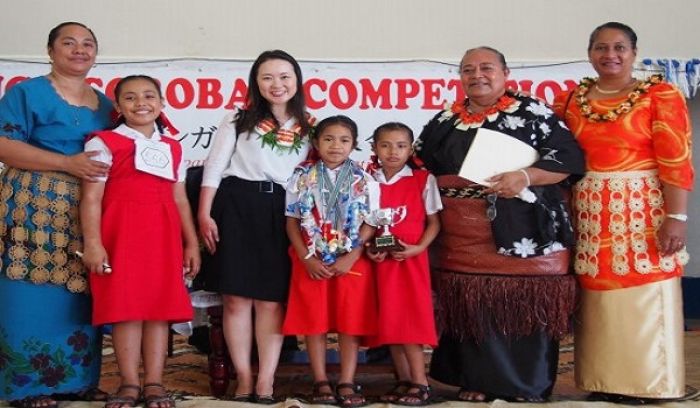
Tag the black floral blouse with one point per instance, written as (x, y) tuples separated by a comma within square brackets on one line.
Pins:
[(519, 228)]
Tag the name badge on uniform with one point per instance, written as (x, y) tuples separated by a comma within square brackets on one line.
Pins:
[(154, 157)]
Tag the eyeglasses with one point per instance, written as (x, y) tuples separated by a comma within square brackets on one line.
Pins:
[(491, 210)]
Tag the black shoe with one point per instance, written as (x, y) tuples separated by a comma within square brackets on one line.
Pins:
[(264, 399)]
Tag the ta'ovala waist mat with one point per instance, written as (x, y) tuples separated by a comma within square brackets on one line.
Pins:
[(465, 243)]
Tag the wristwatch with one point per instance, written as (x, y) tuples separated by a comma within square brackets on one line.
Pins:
[(679, 217)]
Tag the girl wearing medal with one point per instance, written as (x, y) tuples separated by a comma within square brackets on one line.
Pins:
[(333, 285), (135, 223), (241, 216)]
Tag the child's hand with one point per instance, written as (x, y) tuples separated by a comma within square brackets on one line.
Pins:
[(96, 260), (209, 232), (376, 256), (409, 251), (316, 269), (343, 263), (192, 261)]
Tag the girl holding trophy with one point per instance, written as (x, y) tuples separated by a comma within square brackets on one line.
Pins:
[(410, 201), (333, 288)]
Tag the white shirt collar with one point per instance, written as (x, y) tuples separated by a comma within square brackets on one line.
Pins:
[(289, 123), (404, 172), (135, 134), (333, 173)]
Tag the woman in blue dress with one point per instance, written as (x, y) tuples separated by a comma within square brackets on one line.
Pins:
[(47, 344)]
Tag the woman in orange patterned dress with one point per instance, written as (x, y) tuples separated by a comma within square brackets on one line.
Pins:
[(631, 213)]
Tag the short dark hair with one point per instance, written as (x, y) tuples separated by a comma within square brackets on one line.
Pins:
[(257, 107), (501, 57), (341, 120), (389, 126), (56, 31), (614, 25)]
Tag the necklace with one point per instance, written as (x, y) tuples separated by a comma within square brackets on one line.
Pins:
[(289, 140), (604, 92), (633, 97), (332, 227), (466, 116), (507, 103), (75, 109), (613, 91)]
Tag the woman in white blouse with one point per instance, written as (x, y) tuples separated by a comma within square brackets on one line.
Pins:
[(241, 215)]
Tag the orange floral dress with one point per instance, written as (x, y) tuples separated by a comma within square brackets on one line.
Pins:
[(633, 146)]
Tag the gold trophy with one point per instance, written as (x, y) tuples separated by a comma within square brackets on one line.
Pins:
[(388, 217)]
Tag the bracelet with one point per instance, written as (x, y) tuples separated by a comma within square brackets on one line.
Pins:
[(527, 177), (679, 217)]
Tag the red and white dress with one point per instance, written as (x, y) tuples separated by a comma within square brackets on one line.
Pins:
[(406, 313), (141, 233)]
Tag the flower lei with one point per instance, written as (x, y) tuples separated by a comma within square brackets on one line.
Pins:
[(465, 119), (326, 241), (272, 135), (610, 116)]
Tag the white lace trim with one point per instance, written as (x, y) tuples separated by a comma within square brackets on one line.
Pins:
[(628, 233)]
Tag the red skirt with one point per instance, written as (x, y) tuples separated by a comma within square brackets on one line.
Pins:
[(345, 304), (405, 305)]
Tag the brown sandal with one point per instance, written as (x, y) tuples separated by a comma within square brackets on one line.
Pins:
[(118, 400), (318, 397), (418, 398), (155, 400), (351, 400), (396, 392)]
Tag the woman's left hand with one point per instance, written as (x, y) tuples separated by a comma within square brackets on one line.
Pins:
[(671, 236), (83, 166), (507, 185)]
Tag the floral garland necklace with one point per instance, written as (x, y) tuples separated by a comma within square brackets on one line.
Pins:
[(289, 140), (610, 116), (466, 119)]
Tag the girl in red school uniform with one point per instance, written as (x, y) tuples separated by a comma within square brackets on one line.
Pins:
[(333, 285), (406, 321), (135, 223)]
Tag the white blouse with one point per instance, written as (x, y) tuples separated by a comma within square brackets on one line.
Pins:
[(245, 157), (105, 155), (431, 193)]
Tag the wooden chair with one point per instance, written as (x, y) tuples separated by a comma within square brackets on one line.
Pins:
[(220, 369)]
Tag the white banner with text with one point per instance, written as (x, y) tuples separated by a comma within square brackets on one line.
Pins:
[(199, 92)]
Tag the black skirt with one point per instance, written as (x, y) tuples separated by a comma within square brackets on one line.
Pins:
[(251, 258), (498, 366)]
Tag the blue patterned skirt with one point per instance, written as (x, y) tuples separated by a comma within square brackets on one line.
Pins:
[(47, 344)]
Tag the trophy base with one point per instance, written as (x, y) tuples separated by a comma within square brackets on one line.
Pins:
[(387, 243)]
